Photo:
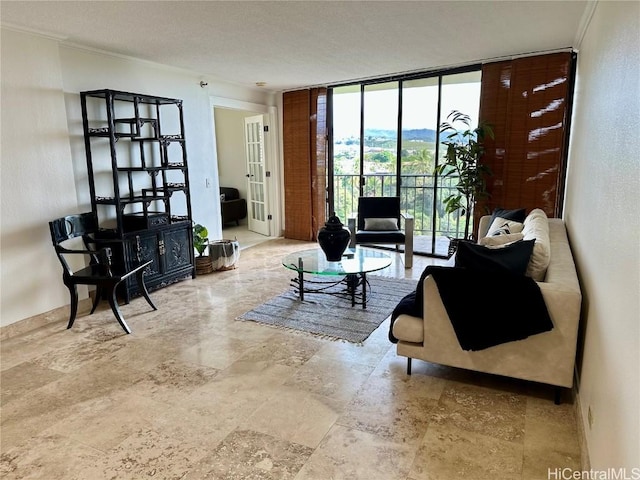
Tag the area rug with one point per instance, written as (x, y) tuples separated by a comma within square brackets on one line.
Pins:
[(334, 317)]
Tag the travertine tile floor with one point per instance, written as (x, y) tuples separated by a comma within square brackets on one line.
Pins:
[(195, 394)]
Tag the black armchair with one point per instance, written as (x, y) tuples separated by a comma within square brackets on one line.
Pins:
[(98, 272), (233, 207), (379, 222)]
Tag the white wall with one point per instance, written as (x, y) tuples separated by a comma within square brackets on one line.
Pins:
[(37, 175), (602, 202), (43, 163)]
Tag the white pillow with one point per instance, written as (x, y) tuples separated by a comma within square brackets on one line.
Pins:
[(380, 223), (500, 240), (502, 226), (536, 227)]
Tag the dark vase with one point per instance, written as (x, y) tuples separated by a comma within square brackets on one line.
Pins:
[(334, 238)]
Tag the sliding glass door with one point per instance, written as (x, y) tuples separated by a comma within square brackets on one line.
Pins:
[(380, 140), (385, 143), (458, 92), (418, 157), (345, 160)]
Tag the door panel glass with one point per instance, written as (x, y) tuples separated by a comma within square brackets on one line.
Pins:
[(346, 150), (460, 92), (417, 156), (380, 139), (256, 175)]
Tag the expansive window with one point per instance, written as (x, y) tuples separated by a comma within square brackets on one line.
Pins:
[(380, 139), (383, 140), (418, 154), (346, 107), (385, 143)]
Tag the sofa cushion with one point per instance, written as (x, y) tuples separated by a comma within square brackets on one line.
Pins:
[(536, 227), (381, 224), (380, 236), (513, 258)]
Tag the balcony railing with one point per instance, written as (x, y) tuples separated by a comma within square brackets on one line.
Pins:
[(416, 198)]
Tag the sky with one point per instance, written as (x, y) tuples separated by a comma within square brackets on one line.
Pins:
[(419, 107)]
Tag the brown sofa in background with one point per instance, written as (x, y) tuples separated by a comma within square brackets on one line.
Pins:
[(233, 207)]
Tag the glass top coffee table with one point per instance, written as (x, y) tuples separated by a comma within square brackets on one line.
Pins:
[(352, 270)]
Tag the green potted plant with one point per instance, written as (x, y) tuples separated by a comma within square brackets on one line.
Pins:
[(464, 149), (200, 238), (200, 243)]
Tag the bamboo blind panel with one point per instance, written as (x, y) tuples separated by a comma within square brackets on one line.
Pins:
[(526, 101), (297, 169), (318, 158)]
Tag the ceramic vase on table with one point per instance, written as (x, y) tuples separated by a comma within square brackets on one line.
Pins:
[(334, 238)]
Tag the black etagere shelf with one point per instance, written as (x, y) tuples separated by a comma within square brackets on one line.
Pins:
[(137, 142)]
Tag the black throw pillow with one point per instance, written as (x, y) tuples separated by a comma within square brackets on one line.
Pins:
[(517, 215), (513, 258)]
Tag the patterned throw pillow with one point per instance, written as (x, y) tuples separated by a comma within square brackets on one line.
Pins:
[(503, 226), (500, 240)]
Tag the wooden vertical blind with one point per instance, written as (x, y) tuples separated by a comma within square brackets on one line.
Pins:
[(304, 142), (318, 159), (528, 103)]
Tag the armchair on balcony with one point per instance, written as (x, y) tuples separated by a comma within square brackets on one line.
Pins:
[(379, 222)]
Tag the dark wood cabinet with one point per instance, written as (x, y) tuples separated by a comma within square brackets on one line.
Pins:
[(139, 183), (170, 249)]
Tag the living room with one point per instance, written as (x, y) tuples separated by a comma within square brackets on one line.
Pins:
[(44, 177)]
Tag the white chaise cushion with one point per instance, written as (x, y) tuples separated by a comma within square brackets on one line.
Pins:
[(536, 227)]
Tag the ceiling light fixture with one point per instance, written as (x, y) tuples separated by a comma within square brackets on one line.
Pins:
[(260, 84), (203, 83)]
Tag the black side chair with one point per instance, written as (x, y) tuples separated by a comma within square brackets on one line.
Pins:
[(98, 272), (379, 222)]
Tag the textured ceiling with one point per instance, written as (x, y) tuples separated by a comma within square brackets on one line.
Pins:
[(295, 44)]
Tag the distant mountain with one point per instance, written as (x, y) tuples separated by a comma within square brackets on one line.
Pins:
[(424, 134)]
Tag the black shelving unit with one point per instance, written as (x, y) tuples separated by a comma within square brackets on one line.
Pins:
[(139, 183)]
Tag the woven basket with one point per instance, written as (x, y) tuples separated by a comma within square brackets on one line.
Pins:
[(203, 265), (224, 254)]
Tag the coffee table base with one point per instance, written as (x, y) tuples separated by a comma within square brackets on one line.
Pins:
[(347, 277), (351, 283)]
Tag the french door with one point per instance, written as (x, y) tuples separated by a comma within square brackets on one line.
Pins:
[(256, 185)]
